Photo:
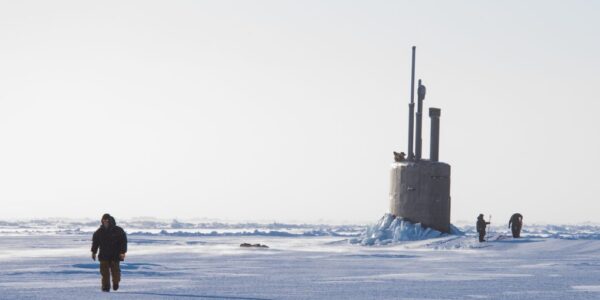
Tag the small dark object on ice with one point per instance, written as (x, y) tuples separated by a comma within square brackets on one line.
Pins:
[(253, 245)]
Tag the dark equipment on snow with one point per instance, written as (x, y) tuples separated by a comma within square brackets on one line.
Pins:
[(247, 245)]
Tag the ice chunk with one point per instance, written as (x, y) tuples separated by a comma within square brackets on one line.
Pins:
[(390, 229)]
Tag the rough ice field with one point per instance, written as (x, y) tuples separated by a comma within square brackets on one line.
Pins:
[(47, 259)]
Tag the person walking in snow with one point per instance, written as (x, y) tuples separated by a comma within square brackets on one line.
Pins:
[(112, 241), (481, 225), (515, 224)]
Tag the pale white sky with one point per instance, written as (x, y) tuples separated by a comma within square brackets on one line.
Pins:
[(290, 110)]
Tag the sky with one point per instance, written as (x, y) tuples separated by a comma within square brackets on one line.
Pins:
[(290, 110)]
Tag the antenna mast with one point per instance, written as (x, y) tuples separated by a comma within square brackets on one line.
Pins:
[(411, 109)]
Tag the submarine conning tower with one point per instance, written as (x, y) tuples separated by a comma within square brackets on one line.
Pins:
[(420, 188)]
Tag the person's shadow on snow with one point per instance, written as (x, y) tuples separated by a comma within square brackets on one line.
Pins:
[(190, 296)]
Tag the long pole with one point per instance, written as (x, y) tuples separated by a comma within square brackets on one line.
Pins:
[(489, 233), (411, 108)]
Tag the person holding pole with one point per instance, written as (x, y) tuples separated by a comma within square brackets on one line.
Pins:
[(481, 225)]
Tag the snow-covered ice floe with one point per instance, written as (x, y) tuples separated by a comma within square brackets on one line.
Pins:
[(178, 228), (387, 230), (51, 260)]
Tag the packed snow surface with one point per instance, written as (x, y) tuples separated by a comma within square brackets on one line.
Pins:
[(173, 260)]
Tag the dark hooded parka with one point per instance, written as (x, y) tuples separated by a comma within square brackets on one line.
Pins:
[(481, 225), (515, 223), (112, 240)]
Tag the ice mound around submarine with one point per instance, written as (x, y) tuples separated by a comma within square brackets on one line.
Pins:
[(391, 229)]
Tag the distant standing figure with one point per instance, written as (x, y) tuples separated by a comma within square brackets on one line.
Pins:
[(515, 224), (481, 225), (112, 241)]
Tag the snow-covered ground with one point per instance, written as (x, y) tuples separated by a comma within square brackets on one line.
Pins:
[(49, 259)]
